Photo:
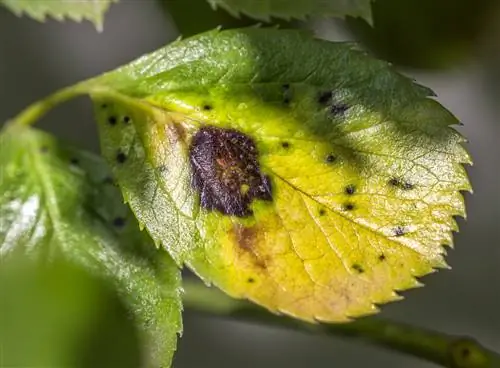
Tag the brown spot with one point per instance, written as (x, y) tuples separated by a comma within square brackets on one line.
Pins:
[(245, 236), (246, 239), (250, 280), (382, 257)]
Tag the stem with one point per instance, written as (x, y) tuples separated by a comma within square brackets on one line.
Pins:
[(445, 350), (38, 109)]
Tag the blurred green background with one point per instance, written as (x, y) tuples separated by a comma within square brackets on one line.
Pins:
[(451, 46)]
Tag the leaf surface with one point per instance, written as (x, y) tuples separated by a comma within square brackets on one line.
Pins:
[(298, 173), (60, 203), (77, 10), (299, 9)]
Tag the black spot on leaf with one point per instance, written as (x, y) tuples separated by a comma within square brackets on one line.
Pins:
[(382, 257), (338, 109), (287, 94), (104, 106), (335, 108), (285, 144), (408, 186), (322, 212), (126, 119), (207, 107), (119, 221), (112, 120), (348, 206), (250, 280), (74, 161), (330, 158), (350, 189), (358, 268), (398, 183), (226, 171), (121, 157), (325, 98), (399, 231)]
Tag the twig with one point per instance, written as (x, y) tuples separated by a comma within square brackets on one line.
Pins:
[(446, 350)]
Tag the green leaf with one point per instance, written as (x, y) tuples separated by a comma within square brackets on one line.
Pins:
[(60, 203), (77, 10), (204, 18), (59, 315), (299, 9)]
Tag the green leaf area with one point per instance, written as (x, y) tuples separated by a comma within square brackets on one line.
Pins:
[(77, 10), (59, 205), (298, 9), (301, 174)]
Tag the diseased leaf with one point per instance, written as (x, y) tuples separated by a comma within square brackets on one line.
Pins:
[(299, 9), (298, 173), (57, 202), (77, 10)]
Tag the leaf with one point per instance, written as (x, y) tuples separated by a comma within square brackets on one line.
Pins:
[(77, 10), (299, 9), (58, 202), (61, 316), (298, 173), (190, 22)]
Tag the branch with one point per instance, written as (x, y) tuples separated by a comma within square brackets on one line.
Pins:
[(38, 109), (446, 350)]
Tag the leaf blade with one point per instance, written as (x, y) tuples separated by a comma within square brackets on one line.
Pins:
[(365, 170), (58, 202), (77, 11), (265, 9)]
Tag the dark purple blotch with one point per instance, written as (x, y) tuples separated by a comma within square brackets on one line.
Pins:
[(226, 171)]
